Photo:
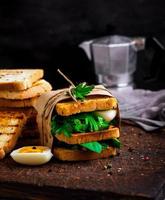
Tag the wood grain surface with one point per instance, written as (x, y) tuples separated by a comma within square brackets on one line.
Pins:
[(137, 172)]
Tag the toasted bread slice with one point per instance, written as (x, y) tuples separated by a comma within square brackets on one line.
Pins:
[(91, 103), (19, 79), (36, 90), (11, 125), (2, 153), (30, 112), (78, 155), (30, 128), (79, 138), (9, 103)]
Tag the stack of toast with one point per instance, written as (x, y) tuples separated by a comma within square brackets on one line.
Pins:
[(19, 90)]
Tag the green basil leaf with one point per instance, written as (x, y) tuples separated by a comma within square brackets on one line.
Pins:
[(93, 146)]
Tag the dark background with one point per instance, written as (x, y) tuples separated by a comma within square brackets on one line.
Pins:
[(46, 33)]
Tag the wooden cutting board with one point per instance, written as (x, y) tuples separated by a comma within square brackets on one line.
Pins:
[(138, 172)]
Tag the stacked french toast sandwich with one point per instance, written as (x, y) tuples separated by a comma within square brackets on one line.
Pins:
[(19, 90)]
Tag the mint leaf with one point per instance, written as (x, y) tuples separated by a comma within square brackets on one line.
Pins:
[(93, 146), (81, 90)]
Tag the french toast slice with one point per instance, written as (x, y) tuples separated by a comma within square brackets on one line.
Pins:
[(91, 103), (79, 138), (78, 155)]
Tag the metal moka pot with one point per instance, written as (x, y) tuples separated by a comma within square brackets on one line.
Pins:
[(114, 58)]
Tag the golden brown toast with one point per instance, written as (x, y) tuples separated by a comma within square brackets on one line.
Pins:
[(78, 155), (90, 104), (79, 138), (30, 128), (29, 112), (11, 103), (36, 90), (19, 79), (11, 125)]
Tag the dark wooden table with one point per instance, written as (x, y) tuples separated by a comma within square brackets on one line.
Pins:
[(138, 172)]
